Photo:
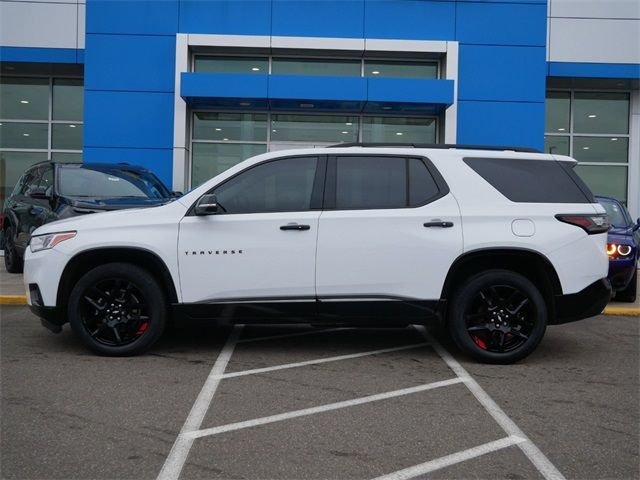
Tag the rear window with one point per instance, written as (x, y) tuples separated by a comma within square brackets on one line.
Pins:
[(532, 181)]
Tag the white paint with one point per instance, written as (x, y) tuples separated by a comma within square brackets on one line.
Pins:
[(539, 460), (628, 9), (180, 120), (451, 114), (323, 408), (317, 43), (237, 41), (417, 46), (452, 459), (523, 227), (181, 447), (358, 251), (322, 360), (287, 335)]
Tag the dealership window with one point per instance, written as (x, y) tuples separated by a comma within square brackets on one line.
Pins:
[(593, 128), (40, 118), (317, 66), (220, 140)]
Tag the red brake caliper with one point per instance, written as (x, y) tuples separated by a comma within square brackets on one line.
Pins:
[(480, 343), (142, 328)]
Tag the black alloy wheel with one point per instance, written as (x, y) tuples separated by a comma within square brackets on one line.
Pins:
[(13, 262), (498, 316), (117, 309)]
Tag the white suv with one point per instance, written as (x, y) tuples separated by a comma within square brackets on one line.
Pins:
[(494, 243)]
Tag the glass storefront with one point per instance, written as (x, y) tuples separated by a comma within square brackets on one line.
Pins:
[(593, 128), (336, 67), (220, 140), (40, 118)]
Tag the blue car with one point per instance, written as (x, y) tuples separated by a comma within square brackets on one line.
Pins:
[(623, 249)]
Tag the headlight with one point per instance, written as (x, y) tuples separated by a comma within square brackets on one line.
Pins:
[(50, 240), (615, 250)]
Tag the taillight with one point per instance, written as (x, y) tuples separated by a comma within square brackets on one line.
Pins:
[(589, 223)]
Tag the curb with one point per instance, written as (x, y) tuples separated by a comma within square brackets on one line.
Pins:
[(624, 311), (13, 299)]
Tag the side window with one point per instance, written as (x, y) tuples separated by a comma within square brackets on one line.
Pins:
[(282, 185), (371, 182), (382, 182), (422, 186)]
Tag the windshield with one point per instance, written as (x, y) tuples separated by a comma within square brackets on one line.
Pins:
[(109, 182), (616, 215)]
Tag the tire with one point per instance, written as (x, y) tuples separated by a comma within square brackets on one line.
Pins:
[(629, 294), (13, 262), (497, 316), (117, 309)]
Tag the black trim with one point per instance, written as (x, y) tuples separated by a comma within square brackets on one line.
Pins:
[(331, 188), (586, 303), (439, 146), (50, 317), (317, 192), (355, 309)]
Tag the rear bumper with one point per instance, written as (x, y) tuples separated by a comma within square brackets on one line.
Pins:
[(584, 304)]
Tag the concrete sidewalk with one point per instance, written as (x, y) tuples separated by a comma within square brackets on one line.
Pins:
[(12, 293)]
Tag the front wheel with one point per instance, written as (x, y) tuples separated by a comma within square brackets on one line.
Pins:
[(497, 316), (117, 309), (13, 262)]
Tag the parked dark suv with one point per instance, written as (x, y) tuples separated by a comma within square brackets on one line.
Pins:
[(51, 191)]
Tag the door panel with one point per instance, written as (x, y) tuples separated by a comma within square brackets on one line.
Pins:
[(247, 257), (387, 252)]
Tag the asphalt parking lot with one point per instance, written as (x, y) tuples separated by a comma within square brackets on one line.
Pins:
[(297, 402)]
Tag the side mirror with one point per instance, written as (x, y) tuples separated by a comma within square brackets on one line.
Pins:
[(39, 193), (207, 205), (176, 194), (637, 225)]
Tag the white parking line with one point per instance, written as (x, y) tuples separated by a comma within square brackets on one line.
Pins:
[(321, 360), (454, 458), (539, 460), (322, 408), (180, 450), (298, 334)]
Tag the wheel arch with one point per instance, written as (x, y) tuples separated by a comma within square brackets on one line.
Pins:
[(89, 259), (529, 263)]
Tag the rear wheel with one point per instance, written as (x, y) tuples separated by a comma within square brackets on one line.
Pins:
[(117, 309), (498, 316), (629, 294), (13, 261)]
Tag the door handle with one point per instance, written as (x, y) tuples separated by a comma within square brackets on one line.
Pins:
[(439, 223), (294, 226)]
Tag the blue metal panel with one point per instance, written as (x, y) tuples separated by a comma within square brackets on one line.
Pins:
[(501, 23), (128, 119), (223, 17), (501, 73), (133, 16), (326, 18), (40, 55), (501, 123), (158, 160), (594, 70), (211, 90), (297, 87), (405, 90), (131, 62), (410, 19)]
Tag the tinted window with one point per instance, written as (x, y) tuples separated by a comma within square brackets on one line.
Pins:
[(27, 181), (45, 180), (422, 186), (279, 186), (615, 211), (371, 182), (534, 181), (109, 183)]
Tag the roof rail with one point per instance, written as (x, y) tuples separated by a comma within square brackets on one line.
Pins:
[(441, 146)]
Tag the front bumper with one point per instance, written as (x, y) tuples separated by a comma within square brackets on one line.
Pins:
[(621, 272), (584, 304)]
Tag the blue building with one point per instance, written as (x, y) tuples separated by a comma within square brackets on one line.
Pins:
[(191, 87)]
